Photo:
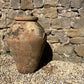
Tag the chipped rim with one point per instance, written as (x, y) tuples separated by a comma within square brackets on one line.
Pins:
[(26, 18)]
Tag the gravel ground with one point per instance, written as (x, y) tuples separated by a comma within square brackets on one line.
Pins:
[(55, 72)]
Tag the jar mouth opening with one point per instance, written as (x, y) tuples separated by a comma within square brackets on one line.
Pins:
[(26, 18)]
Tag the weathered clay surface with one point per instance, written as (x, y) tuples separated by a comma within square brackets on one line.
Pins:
[(28, 39)]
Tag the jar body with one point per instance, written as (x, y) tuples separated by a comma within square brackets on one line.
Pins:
[(26, 41)]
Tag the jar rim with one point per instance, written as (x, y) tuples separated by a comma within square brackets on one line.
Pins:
[(26, 18)]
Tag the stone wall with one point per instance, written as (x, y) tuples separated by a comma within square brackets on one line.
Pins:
[(63, 21)]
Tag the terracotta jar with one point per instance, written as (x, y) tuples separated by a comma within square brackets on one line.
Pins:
[(26, 41)]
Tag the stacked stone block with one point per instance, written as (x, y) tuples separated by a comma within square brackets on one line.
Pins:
[(63, 21)]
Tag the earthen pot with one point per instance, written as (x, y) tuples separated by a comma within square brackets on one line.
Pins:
[(26, 41)]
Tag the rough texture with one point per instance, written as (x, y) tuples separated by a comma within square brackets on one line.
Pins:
[(50, 3), (78, 22), (2, 23), (75, 3), (77, 40), (75, 32), (15, 4), (44, 22), (81, 11), (38, 3), (50, 12), (80, 50), (65, 3), (26, 4), (1, 5), (52, 39), (63, 22), (28, 39), (54, 72), (82, 3), (62, 50), (11, 14), (0, 42)]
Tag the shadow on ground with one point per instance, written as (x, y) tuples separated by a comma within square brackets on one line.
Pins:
[(49, 56), (46, 57)]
